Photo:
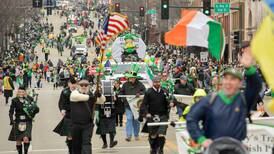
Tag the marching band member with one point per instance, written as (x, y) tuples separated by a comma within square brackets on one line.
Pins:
[(81, 112), (155, 107), (106, 120), (65, 126), (22, 125)]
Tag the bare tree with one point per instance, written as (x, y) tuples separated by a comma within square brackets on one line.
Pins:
[(12, 14)]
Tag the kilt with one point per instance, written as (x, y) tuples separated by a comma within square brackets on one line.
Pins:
[(17, 135), (106, 125), (64, 127), (8, 93), (156, 130)]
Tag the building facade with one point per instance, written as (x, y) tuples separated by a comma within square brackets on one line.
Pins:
[(245, 17)]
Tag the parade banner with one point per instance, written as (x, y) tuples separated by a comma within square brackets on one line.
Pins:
[(180, 98), (260, 137), (184, 142), (134, 104), (184, 99)]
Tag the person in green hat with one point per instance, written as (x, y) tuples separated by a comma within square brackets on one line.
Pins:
[(132, 87), (223, 114)]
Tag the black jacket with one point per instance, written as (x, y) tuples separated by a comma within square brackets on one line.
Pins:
[(155, 103), (132, 89), (187, 89), (17, 108), (81, 112), (64, 102)]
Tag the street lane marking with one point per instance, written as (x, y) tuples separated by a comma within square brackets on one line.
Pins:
[(55, 150)]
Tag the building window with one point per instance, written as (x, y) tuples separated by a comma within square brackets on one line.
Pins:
[(235, 19)]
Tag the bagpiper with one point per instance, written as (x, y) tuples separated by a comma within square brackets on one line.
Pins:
[(23, 108)]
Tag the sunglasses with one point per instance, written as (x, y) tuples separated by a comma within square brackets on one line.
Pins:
[(84, 85)]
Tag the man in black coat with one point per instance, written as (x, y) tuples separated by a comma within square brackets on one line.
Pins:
[(65, 126), (81, 112), (156, 107)]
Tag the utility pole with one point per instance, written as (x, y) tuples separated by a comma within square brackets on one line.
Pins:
[(241, 28), (146, 27)]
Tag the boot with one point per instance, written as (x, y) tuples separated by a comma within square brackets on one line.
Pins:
[(19, 149), (112, 142), (161, 141), (104, 146), (69, 144), (153, 145), (26, 148), (104, 138)]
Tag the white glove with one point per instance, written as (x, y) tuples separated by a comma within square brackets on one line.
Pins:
[(75, 96), (63, 112)]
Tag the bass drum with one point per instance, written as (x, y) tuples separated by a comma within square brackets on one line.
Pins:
[(226, 145)]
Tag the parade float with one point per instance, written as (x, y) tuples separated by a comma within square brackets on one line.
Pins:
[(128, 47)]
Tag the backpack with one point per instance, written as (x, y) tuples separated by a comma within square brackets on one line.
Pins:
[(214, 95)]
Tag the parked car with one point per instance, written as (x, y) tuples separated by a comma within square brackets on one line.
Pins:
[(79, 49)]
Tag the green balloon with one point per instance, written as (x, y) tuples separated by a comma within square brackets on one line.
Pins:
[(108, 55), (152, 59)]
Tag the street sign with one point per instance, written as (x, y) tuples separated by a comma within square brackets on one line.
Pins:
[(222, 7), (151, 11), (204, 57)]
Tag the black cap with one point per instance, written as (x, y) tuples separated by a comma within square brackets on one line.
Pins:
[(72, 80), (21, 88)]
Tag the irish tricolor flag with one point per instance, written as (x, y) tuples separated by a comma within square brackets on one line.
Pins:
[(197, 29)]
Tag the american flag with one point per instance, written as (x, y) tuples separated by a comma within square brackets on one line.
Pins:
[(101, 39), (113, 25)]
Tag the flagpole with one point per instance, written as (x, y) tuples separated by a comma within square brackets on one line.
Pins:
[(221, 59), (102, 51)]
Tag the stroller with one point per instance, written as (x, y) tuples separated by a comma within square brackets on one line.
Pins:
[(226, 145)]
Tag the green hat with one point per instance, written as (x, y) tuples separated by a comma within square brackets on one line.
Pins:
[(129, 37), (133, 73), (233, 72)]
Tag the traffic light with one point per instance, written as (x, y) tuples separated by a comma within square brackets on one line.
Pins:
[(207, 7), (117, 7), (49, 7), (37, 3), (142, 11), (49, 11), (165, 9), (49, 3), (236, 37)]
